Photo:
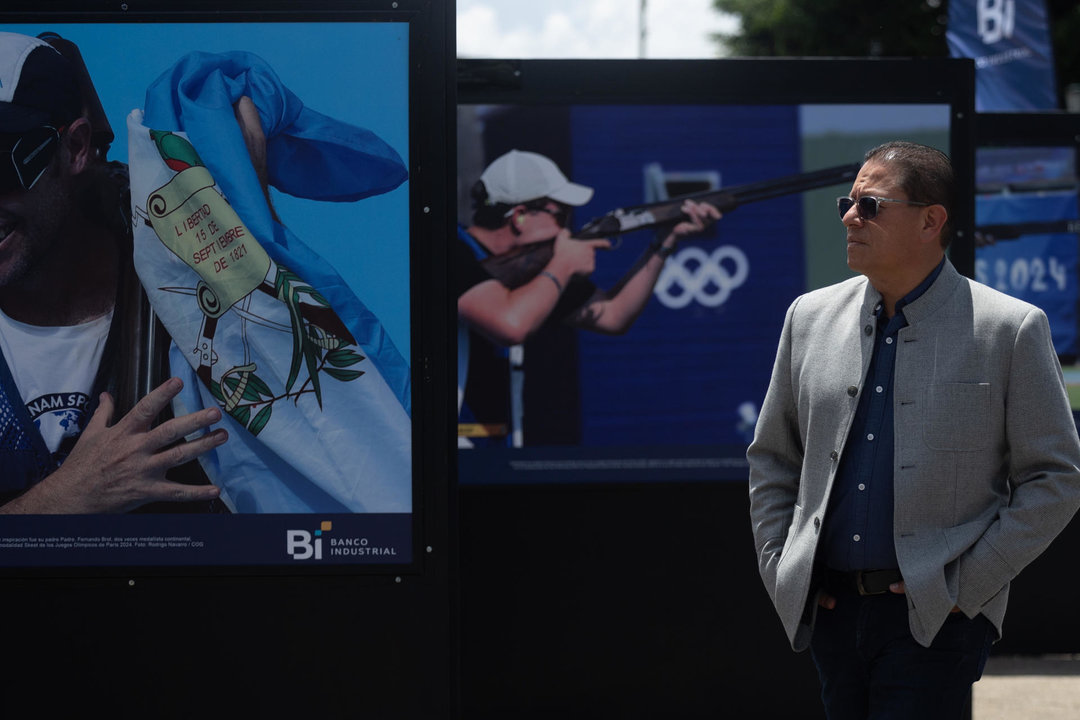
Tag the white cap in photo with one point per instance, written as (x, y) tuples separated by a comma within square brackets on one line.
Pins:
[(520, 176)]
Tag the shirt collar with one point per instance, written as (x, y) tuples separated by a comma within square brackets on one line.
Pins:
[(921, 287), (478, 250), (916, 293)]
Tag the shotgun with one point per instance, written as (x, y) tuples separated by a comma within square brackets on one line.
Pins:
[(517, 267)]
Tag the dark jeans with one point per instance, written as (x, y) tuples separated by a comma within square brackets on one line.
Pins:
[(871, 668)]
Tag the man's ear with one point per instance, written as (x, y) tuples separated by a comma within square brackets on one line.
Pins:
[(934, 220), (77, 146), (516, 217)]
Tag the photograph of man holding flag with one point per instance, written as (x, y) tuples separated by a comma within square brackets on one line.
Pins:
[(286, 301)]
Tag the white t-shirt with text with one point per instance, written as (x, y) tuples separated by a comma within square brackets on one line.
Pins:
[(54, 369)]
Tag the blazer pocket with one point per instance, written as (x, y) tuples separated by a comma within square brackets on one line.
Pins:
[(958, 416)]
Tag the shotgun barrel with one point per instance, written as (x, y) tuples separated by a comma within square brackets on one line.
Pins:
[(517, 267)]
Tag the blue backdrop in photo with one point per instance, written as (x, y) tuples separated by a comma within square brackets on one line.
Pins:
[(694, 374), (356, 72)]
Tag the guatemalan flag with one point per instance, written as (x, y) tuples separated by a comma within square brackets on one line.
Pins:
[(313, 392), (1010, 42)]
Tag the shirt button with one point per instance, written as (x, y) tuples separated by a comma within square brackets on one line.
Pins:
[(888, 341), (862, 486), (879, 389), (856, 538), (870, 436), (853, 391)]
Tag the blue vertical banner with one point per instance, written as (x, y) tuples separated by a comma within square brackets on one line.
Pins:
[(1010, 42)]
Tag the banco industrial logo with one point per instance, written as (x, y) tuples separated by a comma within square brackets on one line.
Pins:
[(317, 544), (996, 19)]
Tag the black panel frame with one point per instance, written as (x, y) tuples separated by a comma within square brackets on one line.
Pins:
[(431, 117)]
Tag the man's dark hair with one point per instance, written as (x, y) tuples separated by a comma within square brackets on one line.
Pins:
[(925, 174), (490, 216)]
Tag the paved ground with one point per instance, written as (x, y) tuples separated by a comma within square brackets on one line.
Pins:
[(1028, 688)]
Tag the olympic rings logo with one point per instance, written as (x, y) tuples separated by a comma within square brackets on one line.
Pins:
[(709, 278)]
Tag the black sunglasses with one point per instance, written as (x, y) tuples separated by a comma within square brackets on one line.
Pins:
[(868, 205), (561, 215), (28, 157)]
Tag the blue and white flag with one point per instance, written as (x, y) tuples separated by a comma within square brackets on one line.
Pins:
[(1010, 42), (314, 394)]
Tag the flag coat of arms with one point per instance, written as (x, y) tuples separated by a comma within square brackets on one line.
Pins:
[(313, 392)]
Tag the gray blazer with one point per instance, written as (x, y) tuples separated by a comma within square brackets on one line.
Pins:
[(986, 460)]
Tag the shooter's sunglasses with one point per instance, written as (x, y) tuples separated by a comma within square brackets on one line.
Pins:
[(868, 205), (25, 156), (561, 216)]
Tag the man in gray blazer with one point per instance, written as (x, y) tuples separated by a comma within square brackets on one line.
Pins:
[(915, 450)]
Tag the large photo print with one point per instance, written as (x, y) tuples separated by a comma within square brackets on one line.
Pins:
[(609, 329), (205, 295)]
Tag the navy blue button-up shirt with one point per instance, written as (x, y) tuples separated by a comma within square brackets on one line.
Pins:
[(859, 521)]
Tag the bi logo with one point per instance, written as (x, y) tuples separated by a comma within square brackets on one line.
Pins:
[(304, 545), (996, 19)]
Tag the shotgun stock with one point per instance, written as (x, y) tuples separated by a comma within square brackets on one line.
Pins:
[(519, 266)]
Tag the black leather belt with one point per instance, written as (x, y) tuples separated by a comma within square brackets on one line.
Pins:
[(863, 582)]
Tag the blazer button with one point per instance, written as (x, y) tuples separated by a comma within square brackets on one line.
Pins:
[(817, 524), (853, 391), (869, 330), (834, 455)]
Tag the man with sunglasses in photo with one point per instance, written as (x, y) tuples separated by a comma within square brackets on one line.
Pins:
[(916, 450), (74, 435), (523, 200)]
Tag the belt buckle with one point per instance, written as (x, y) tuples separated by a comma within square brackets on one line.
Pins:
[(861, 588)]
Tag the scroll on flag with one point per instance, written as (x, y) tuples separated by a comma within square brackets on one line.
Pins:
[(313, 392)]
